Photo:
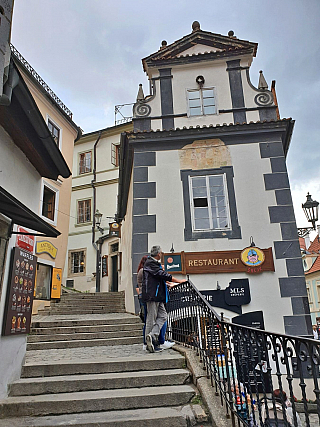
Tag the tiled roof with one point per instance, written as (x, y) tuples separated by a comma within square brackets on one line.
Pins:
[(315, 245), (315, 266), (185, 128)]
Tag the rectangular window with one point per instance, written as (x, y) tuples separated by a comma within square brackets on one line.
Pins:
[(318, 291), (84, 211), (309, 295), (48, 203), (115, 152), (201, 102), (85, 162), (209, 203), (55, 131), (77, 263)]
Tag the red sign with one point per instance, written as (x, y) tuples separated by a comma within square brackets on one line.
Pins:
[(24, 241)]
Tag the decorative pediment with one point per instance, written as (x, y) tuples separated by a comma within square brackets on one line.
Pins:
[(200, 44)]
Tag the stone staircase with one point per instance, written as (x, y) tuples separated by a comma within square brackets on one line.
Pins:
[(87, 303), (91, 370)]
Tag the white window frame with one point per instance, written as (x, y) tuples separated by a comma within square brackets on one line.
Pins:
[(194, 229), (115, 158), (201, 101), (81, 273), (59, 145), (77, 210), (79, 154), (56, 202)]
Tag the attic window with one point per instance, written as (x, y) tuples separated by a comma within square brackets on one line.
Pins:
[(201, 102)]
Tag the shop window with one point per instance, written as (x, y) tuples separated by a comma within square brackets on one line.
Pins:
[(210, 204), (115, 154), (55, 132), (48, 203), (43, 282), (84, 211), (201, 102), (77, 263), (85, 162)]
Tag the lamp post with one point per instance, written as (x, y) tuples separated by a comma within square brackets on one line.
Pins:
[(310, 208), (98, 217)]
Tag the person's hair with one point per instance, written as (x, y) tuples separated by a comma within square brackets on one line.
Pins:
[(141, 263), (155, 250), (277, 394)]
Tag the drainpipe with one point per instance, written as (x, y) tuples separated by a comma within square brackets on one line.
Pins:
[(93, 182)]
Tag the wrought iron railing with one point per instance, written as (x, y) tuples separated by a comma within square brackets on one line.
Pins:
[(36, 76), (251, 369)]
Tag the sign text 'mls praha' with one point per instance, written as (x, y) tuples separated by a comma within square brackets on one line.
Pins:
[(225, 262)]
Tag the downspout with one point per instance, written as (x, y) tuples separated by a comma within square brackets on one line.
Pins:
[(93, 182)]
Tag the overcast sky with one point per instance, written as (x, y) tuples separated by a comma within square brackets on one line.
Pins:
[(89, 52)]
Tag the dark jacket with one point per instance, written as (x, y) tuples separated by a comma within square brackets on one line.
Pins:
[(154, 281)]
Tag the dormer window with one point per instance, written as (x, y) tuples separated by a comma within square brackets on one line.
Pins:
[(201, 102)]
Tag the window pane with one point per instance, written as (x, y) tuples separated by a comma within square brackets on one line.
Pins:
[(48, 203), (200, 203), (201, 213), (198, 181), (223, 222), (207, 102), (209, 110), (195, 111), (215, 180), (218, 201), (202, 224), (194, 103), (194, 94), (200, 192), (207, 93)]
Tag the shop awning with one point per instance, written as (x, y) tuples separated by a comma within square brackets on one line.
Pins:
[(21, 215)]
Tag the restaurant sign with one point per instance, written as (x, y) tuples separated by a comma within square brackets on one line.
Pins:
[(229, 261), (46, 247)]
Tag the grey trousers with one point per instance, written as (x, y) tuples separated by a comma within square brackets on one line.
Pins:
[(156, 317)]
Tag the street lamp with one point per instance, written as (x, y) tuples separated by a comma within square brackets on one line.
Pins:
[(98, 217), (311, 208)]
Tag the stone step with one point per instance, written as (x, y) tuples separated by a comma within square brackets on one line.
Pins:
[(86, 329), (145, 362), (99, 400), (51, 312), (85, 336), (150, 417), (82, 304), (75, 383), (67, 320), (44, 345)]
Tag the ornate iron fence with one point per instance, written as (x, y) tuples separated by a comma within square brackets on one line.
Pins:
[(251, 369)]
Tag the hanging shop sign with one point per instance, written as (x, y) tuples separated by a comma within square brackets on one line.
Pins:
[(46, 247), (104, 265), (174, 262), (18, 306), (114, 229), (229, 261), (56, 283), (24, 241), (238, 292)]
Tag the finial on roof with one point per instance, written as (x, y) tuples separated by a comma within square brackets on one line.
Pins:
[(195, 26), (163, 44), (262, 81), (231, 34), (140, 96)]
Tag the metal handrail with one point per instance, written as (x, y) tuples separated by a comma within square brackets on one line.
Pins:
[(36, 76), (246, 365)]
